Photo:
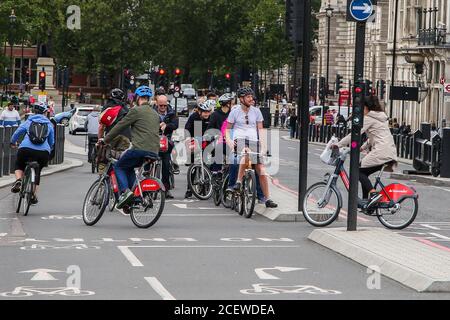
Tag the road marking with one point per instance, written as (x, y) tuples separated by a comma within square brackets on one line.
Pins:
[(262, 274), (130, 256), (180, 206), (3, 234), (42, 274), (432, 244), (430, 227), (441, 188), (184, 206), (292, 148), (135, 262), (199, 214), (159, 288), (437, 235)]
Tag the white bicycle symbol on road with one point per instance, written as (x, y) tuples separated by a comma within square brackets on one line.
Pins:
[(57, 247), (262, 289), (21, 292)]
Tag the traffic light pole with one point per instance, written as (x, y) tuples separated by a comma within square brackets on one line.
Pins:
[(303, 103), (357, 124)]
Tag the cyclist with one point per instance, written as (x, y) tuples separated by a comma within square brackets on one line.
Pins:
[(92, 125), (247, 124), (144, 123), (10, 116), (380, 146), (36, 146), (114, 110), (168, 124), (201, 117)]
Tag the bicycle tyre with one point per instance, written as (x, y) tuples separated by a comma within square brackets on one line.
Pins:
[(207, 193), (217, 196), (101, 206), (309, 215), (404, 225), (112, 198), (153, 196), (248, 187), (19, 201), (226, 195), (94, 166), (28, 193)]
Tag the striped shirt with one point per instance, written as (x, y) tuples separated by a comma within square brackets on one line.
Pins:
[(9, 118)]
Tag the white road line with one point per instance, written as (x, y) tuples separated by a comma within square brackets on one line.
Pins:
[(130, 256), (430, 227), (316, 154), (3, 234), (292, 148), (437, 235), (448, 190), (198, 214), (159, 288)]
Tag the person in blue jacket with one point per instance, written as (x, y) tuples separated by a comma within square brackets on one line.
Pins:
[(38, 127)]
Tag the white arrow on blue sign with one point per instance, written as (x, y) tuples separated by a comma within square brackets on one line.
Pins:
[(361, 10)]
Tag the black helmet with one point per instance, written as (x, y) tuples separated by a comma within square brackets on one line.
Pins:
[(246, 91), (117, 94), (160, 91)]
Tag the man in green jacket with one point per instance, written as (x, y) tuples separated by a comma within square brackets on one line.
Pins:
[(144, 123)]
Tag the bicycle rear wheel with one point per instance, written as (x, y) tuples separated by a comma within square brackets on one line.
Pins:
[(248, 195), (321, 205), (202, 188), (112, 198), (19, 201), (94, 165), (146, 214), (27, 192), (401, 216), (95, 202), (226, 195)]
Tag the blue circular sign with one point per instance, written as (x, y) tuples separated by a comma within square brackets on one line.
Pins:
[(361, 10)]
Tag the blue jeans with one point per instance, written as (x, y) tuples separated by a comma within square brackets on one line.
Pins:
[(124, 168), (234, 171)]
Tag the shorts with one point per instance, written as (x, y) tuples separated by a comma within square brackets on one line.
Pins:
[(254, 146), (25, 155)]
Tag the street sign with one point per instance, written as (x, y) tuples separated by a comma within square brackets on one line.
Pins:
[(359, 10), (447, 88), (176, 94)]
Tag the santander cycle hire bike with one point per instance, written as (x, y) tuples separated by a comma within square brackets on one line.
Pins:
[(396, 209)]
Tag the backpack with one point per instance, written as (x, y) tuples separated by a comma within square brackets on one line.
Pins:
[(38, 132), (109, 116)]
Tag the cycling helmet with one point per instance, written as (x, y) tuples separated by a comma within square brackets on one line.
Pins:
[(211, 104), (206, 106), (226, 98), (160, 91), (117, 94), (246, 91), (143, 91), (39, 108)]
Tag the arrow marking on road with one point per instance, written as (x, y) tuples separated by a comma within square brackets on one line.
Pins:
[(266, 276), (42, 274)]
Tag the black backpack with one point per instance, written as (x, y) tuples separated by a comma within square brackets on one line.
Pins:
[(38, 132)]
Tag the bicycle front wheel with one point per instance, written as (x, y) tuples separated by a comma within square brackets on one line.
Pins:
[(322, 204), (95, 202), (401, 215), (112, 198), (248, 196), (146, 213), (226, 195), (199, 183), (27, 194)]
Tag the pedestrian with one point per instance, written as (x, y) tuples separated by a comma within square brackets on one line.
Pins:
[(293, 123), (341, 120), (277, 116), (51, 107), (329, 119), (283, 114), (10, 116), (91, 125)]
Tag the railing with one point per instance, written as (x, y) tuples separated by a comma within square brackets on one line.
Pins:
[(8, 155), (432, 37)]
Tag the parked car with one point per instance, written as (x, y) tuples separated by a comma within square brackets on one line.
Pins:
[(189, 93), (77, 121), (64, 117), (182, 106)]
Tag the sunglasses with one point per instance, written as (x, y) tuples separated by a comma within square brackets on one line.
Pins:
[(246, 120), (163, 105)]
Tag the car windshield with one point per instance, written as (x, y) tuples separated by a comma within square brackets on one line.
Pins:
[(83, 113)]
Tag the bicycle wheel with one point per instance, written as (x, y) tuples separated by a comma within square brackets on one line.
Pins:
[(248, 195), (19, 201), (321, 205), (401, 216), (95, 202), (27, 193), (202, 188), (94, 166), (226, 195), (145, 214), (217, 196), (237, 204), (112, 198)]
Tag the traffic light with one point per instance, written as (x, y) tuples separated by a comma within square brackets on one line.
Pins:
[(369, 87), (228, 82), (161, 78), (177, 80), (42, 76), (339, 83), (294, 22), (313, 88), (381, 88), (322, 89), (359, 92)]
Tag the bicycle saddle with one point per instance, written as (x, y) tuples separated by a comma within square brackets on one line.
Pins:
[(389, 166), (151, 158), (33, 164)]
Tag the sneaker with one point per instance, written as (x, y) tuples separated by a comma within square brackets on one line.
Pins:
[(271, 204), (124, 199), (188, 194), (237, 186), (34, 200), (169, 195), (373, 199), (16, 186), (176, 169)]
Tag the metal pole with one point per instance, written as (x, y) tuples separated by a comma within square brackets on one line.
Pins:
[(21, 67), (394, 55), (357, 124), (303, 103)]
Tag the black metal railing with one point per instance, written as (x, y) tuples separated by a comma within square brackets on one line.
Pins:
[(432, 37)]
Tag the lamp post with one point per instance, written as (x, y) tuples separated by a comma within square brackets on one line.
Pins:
[(255, 49), (12, 22), (329, 13), (280, 24), (262, 31)]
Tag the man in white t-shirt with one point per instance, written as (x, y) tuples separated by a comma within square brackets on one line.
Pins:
[(10, 116), (246, 121)]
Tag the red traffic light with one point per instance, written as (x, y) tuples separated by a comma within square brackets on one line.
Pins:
[(177, 71), (162, 72), (42, 74), (358, 90), (228, 76)]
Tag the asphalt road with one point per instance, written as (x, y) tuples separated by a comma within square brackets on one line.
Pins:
[(195, 251)]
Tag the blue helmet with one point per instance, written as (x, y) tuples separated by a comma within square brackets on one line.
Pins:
[(144, 91), (40, 108)]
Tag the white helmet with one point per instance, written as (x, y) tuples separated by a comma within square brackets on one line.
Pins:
[(208, 105), (226, 98)]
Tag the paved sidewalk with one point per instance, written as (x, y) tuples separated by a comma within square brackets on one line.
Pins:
[(68, 163)]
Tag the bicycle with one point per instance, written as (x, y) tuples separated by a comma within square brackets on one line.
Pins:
[(323, 200), (149, 195), (265, 289), (28, 187), (199, 176)]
